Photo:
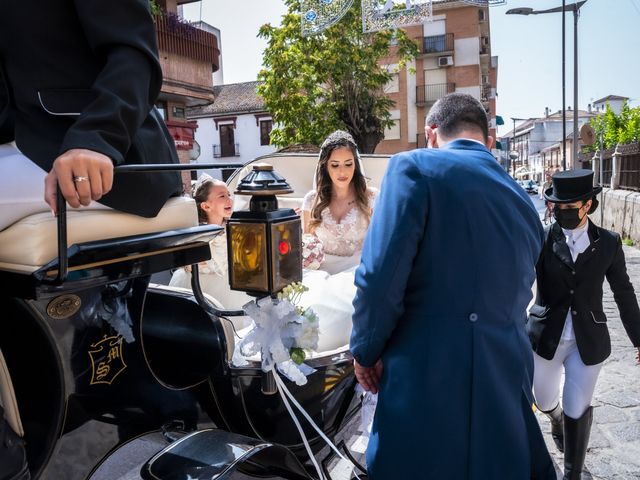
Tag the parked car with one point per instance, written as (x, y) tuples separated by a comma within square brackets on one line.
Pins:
[(531, 186)]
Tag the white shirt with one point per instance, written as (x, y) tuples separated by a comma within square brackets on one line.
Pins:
[(578, 241)]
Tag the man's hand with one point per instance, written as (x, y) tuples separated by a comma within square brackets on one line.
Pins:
[(83, 175), (369, 377)]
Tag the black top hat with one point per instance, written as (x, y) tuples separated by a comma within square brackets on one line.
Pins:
[(571, 186)]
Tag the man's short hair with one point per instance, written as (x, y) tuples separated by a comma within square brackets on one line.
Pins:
[(457, 112)]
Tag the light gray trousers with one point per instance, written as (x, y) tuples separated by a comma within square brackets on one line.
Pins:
[(579, 380)]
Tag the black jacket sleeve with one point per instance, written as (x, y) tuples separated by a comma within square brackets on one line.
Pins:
[(624, 295), (6, 112), (121, 32)]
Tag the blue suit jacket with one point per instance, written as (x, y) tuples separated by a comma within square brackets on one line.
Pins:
[(442, 290)]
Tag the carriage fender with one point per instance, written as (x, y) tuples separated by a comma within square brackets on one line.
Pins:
[(216, 454)]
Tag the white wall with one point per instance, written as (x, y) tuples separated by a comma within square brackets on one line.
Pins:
[(467, 51), (247, 136), (473, 91)]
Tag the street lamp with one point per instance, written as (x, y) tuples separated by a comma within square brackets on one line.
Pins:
[(575, 8)]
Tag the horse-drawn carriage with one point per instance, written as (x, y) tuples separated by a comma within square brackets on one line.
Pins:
[(98, 356)]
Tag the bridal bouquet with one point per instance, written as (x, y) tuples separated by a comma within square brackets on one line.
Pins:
[(284, 332), (312, 251)]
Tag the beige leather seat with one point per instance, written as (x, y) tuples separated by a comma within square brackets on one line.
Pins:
[(298, 169), (32, 242)]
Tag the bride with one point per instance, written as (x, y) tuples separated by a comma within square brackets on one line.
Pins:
[(337, 212)]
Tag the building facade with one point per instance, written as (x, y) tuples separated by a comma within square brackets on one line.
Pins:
[(455, 56), (189, 55), (235, 128), (533, 148)]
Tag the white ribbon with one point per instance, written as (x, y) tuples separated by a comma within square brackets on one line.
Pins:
[(284, 392)]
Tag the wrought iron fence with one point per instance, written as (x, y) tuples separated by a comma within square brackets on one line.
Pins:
[(437, 43), (430, 93), (226, 150), (628, 168)]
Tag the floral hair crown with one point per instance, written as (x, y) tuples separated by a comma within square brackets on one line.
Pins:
[(203, 179)]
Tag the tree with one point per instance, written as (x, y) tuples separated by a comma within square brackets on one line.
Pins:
[(615, 129), (314, 85)]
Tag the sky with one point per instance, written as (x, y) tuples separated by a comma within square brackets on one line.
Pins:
[(529, 50)]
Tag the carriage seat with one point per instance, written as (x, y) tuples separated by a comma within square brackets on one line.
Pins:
[(32, 242)]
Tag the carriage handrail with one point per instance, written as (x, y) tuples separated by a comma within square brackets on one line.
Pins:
[(63, 258)]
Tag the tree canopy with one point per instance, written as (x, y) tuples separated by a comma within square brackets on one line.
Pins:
[(334, 80), (617, 129)]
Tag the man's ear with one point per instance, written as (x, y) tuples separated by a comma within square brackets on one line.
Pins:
[(432, 138), (490, 141)]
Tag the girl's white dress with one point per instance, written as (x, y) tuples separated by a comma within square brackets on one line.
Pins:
[(214, 277)]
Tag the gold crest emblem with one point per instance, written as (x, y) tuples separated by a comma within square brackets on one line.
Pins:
[(63, 306), (106, 360)]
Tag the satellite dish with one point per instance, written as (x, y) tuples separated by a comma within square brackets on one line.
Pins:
[(194, 153), (587, 134)]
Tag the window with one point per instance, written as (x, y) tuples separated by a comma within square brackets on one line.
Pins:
[(265, 131), (393, 132), (162, 108), (393, 85), (178, 112)]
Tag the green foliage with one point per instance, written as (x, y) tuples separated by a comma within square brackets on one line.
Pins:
[(315, 85), (628, 242), (617, 129), (156, 10)]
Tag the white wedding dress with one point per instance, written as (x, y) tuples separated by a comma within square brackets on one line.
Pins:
[(331, 287)]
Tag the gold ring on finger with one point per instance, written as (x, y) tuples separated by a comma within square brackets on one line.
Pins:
[(79, 179)]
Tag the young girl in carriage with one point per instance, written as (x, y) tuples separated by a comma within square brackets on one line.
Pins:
[(215, 206)]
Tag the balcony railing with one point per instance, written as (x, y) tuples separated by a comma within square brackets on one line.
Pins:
[(436, 44), (426, 94), (226, 150), (180, 37)]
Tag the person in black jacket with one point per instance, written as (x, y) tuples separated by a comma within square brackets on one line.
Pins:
[(567, 325), (78, 83)]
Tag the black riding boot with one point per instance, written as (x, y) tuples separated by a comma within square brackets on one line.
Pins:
[(557, 429), (576, 440)]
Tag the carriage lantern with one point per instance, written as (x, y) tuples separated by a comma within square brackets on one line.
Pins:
[(264, 243)]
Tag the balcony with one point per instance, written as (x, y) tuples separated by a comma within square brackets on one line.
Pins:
[(428, 94), (180, 37), (226, 150), (436, 44)]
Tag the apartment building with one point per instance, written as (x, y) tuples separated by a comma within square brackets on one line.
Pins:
[(235, 128), (455, 56), (189, 56)]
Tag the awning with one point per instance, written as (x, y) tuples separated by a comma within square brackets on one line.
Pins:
[(499, 120), (499, 145)]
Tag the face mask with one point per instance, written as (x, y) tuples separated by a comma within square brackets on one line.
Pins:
[(568, 218)]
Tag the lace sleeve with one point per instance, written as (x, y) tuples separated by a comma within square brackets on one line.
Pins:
[(372, 196), (307, 202)]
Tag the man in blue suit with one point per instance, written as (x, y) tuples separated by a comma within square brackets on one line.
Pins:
[(439, 323)]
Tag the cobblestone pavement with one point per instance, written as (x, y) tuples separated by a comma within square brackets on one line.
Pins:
[(614, 447)]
